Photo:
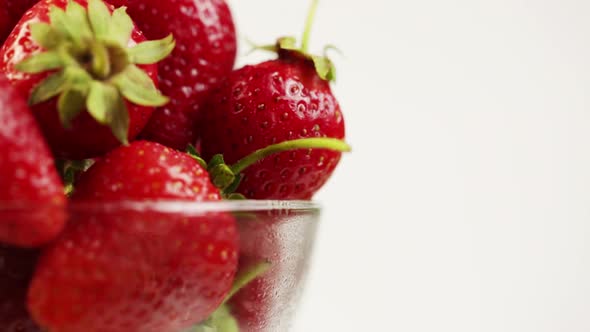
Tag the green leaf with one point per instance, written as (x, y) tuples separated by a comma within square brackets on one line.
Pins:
[(52, 86), (100, 18), (121, 27), (44, 35), (57, 18), (324, 68), (255, 47), (70, 103), (230, 190), (152, 51), (221, 176), (102, 102), (77, 20), (203, 328), (334, 48), (221, 320), (77, 76), (216, 160), (41, 62), (138, 87), (191, 150), (235, 197), (67, 25), (120, 122), (288, 43), (106, 105)]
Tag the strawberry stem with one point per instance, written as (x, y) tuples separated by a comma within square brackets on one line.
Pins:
[(247, 276), (308, 26), (304, 143)]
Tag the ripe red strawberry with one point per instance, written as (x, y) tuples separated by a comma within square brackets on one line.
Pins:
[(16, 270), (256, 303), (275, 101), (10, 12), (88, 72), (137, 268), (31, 200), (205, 53)]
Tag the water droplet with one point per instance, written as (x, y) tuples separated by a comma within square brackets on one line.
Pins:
[(301, 108), (238, 108), (321, 161)]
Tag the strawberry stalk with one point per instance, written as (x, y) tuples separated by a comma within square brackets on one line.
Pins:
[(308, 26), (227, 178), (286, 47), (247, 276), (304, 143)]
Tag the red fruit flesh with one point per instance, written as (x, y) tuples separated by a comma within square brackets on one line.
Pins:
[(252, 306), (31, 199), (122, 271), (16, 270), (145, 171), (269, 103), (86, 138), (135, 269), (205, 53)]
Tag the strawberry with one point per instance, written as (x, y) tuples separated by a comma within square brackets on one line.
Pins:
[(31, 200), (10, 12), (256, 303), (137, 266), (274, 237), (88, 73), (205, 53), (271, 102), (16, 270)]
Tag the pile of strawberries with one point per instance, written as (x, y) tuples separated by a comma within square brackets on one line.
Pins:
[(107, 102)]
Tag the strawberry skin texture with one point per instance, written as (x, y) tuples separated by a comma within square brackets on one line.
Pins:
[(133, 270), (270, 103), (16, 270), (205, 53), (86, 138), (260, 241), (32, 202)]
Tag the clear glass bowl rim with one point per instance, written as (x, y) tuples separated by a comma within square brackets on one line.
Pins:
[(177, 206)]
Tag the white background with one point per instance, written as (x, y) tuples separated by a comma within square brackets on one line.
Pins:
[(465, 205)]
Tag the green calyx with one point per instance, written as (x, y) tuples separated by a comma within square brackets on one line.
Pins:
[(94, 67), (227, 178), (286, 48), (69, 169)]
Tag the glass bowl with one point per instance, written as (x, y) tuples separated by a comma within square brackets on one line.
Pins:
[(278, 235)]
